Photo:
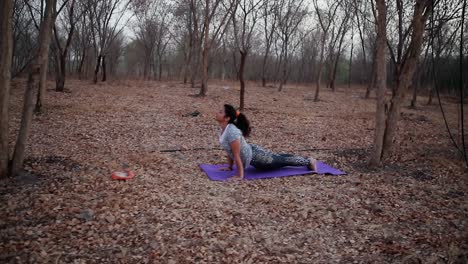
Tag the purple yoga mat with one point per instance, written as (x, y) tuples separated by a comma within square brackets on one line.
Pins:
[(215, 174)]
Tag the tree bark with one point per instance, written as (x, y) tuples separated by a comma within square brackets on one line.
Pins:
[(406, 74), (351, 60), (104, 71), (206, 48), (82, 60), (96, 71), (50, 20), (6, 54), (284, 74), (381, 80), (320, 70), (28, 105), (62, 56), (241, 78)]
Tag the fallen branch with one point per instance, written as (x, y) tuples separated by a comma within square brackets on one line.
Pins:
[(192, 149), (197, 149)]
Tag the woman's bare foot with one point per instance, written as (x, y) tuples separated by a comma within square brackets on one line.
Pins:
[(313, 164)]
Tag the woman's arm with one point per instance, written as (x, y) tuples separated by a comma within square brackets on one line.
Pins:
[(235, 147), (230, 161)]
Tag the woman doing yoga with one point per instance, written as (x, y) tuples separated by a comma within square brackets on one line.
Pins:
[(234, 129)]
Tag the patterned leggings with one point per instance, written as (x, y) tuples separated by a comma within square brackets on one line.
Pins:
[(264, 159)]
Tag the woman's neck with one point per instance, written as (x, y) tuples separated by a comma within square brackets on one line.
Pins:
[(223, 125)]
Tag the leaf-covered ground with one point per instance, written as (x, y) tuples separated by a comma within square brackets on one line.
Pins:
[(66, 208)]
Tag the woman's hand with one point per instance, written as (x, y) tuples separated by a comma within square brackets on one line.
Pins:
[(236, 178), (225, 169)]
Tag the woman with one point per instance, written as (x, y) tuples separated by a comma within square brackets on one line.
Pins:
[(234, 128)]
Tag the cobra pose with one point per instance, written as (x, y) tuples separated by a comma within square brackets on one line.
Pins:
[(234, 129)]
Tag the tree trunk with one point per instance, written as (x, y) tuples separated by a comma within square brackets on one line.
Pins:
[(160, 69), (335, 69), (26, 120), (104, 71), (45, 59), (265, 57), (241, 78), (416, 85), (431, 94), (381, 81), (63, 67), (320, 70), (80, 68), (6, 54), (405, 76), (28, 105), (285, 67), (204, 84), (58, 74), (96, 71), (350, 61)]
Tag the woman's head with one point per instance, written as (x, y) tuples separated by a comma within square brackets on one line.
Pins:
[(230, 115)]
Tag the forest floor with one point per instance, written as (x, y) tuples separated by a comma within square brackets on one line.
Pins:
[(66, 208)]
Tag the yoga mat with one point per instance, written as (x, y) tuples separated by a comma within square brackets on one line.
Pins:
[(215, 174)]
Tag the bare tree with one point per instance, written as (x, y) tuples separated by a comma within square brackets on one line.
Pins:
[(247, 14), (61, 55), (405, 61), (325, 21), (290, 14), (24, 38), (105, 17), (221, 10), (270, 21), (152, 33), (32, 84), (381, 73), (6, 54), (44, 67), (334, 57)]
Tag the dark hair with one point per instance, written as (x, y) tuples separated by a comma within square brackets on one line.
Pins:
[(240, 121)]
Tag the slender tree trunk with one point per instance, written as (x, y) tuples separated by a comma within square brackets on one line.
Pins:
[(80, 67), (431, 94), (335, 69), (243, 58), (45, 62), (96, 71), (415, 87), (320, 70), (57, 70), (188, 61), (104, 71), (284, 68), (26, 120), (350, 61), (160, 69), (264, 66), (206, 48), (60, 83), (381, 76), (6, 55), (36, 69)]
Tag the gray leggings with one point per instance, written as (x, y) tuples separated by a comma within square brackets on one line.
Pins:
[(264, 159)]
